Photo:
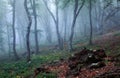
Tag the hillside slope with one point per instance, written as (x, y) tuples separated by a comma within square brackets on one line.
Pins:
[(74, 68)]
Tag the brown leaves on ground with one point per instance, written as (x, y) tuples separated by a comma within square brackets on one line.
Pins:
[(63, 69), (77, 66)]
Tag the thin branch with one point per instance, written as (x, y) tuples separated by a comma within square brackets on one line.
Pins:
[(112, 13), (50, 11), (77, 13)]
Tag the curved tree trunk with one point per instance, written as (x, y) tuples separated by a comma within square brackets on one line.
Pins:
[(28, 30), (60, 40), (77, 10), (72, 34), (56, 21)]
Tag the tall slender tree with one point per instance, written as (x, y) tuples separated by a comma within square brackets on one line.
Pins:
[(76, 12), (35, 27), (65, 23), (28, 30), (8, 38), (90, 16), (14, 33), (47, 27), (56, 21)]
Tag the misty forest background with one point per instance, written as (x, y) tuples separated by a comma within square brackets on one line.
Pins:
[(30, 29)]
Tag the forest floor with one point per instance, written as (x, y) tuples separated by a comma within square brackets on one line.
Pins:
[(56, 64), (111, 63)]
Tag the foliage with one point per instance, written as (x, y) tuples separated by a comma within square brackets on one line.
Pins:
[(23, 69), (44, 75)]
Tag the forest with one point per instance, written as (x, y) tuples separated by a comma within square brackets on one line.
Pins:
[(59, 39)]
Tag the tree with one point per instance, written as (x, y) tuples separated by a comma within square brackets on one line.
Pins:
[(14, 33), (36, 33), (76, 12), (104, 11), (2, 33), (56, 21), (90, 16), (21, 23), (8, 39), (65, 23), (28, 30), (47, 28)]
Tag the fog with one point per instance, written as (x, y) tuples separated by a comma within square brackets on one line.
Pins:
[(59, 38), (55, 21)]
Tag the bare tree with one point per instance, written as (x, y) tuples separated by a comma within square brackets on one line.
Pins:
[(8, 38), (47, 26), (28, 30), (104, 12), (77, 10), (14, 33), (90, 16), (56, 21), (65, 23), (36, 32)]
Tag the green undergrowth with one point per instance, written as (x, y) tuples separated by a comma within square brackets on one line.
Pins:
[(44, 75), (22, 69)]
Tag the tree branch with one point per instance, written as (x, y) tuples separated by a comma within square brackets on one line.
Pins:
[(78, 11), (50, 11)]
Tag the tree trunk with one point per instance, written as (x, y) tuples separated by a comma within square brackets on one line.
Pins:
[(9, 47), (72, 34), (77, 10), (14, 33), (60, 40), (56, 21), (65, 24), (28, 31), (90, 16), (48, 30), (36, 33)]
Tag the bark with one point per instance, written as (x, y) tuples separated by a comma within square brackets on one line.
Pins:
[(91, 28), (76, 13), (28, 30), (14, 33), (56, 21), (36, 33), (60, 40), (65, 24)]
